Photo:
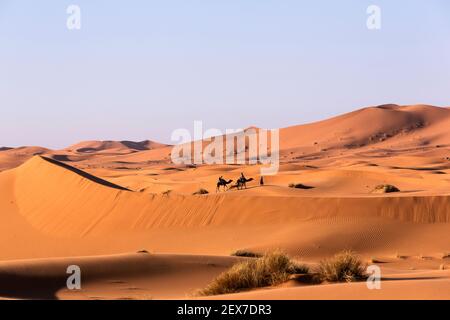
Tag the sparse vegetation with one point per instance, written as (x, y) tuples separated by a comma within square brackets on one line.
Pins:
[(246, 253), (386, 188), (374, 260), (200, 192), (402, 257), (345, 266), (167, 192), (299, 186), (298, 268), (446, 255), (271, 269)]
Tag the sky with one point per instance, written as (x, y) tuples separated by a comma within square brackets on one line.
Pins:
[(138, 70)]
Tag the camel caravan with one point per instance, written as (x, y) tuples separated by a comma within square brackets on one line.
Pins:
[(240, 184)]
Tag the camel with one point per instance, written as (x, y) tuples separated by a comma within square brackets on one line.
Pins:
[(242, 183), (224, 184)]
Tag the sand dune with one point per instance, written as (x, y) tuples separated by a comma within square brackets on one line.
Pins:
[(112, 277), (13, 157), (373, 125), (114, 146), (377, 131), (100, 199), (181, 223), (150, 276)]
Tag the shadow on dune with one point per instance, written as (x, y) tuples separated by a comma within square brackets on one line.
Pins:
[(61, 157), (140, 146), (30, 287), (85, 174)]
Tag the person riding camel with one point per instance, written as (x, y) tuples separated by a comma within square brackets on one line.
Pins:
[(223, 183), (242, 182)]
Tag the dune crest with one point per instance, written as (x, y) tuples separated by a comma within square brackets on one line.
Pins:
[(114, 146), (369, 126)]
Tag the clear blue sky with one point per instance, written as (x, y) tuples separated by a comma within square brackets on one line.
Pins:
[(140, 69)]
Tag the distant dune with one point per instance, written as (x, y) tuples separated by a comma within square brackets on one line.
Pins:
[(13, 157), (382, 125), (114, 146)]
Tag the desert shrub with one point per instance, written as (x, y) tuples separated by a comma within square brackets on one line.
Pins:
[(299, 186), (246, 253), (375, 260), (271, 269), (401, 256), (200, 192), (343, 267), (298, 268), (167, 192), (386, 188)]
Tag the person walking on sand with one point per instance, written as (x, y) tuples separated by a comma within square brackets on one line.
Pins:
[(261, 181)]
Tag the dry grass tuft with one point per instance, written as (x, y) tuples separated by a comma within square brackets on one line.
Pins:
[(375, 260), (400, 256), (345, 266), (271, 269), (246, 253), (386, 188), (200, 192)]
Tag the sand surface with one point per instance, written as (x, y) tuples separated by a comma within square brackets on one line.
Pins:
[(97, 203)]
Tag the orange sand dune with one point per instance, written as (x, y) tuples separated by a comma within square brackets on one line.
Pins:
[(161, 276), (104, 198), (124, 276), (373, 125), (114, 146), (13, 157), (181, 223)]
